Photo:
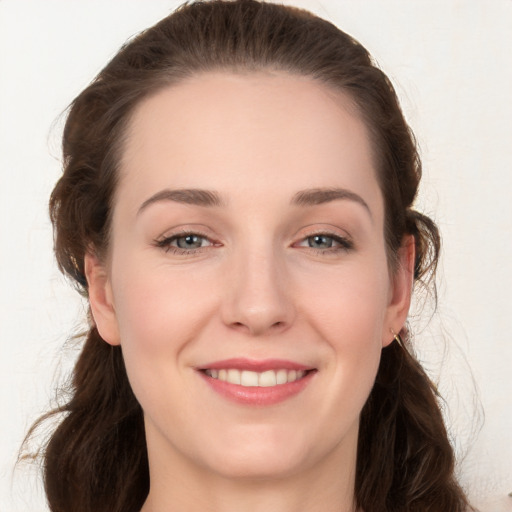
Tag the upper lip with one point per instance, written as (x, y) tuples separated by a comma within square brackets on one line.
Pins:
[(254, 365)]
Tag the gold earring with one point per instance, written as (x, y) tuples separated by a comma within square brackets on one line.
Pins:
[(397, 338)]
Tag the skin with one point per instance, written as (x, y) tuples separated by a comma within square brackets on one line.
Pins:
[(255, 288)]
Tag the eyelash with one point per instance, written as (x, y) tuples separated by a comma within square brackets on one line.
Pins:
[(344, 244), (166, 243)]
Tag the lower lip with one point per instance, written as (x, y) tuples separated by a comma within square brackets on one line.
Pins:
[(255, 395)]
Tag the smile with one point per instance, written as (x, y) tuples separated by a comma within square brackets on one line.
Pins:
[(257, 383), (249, 378)]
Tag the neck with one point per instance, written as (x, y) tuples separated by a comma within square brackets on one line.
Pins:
[(255, 496)]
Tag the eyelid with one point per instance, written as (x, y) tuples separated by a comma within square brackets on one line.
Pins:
[(344, 241), (172, 238), (165, 241)]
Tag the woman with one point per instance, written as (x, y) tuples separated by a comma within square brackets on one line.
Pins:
[(236, 204)]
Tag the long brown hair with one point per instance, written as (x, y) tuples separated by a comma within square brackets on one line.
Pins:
[(96, 459)]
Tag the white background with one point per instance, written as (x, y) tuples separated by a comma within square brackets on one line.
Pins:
[(451, 61)]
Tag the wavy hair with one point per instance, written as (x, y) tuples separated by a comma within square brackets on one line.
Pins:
[(96, 459)]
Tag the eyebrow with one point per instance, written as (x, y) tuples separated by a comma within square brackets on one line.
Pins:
[(210, 198), (192, 196), (316, 196)]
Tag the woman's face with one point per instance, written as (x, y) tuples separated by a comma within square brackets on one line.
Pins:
[(247, 243)]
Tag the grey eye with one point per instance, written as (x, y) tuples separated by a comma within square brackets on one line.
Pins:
[(320, 241), (189, 241)]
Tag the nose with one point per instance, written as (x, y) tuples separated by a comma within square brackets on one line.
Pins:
[(257, 299)]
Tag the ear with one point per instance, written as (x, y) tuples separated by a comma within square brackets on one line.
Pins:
[(400, 290), (101, 299)]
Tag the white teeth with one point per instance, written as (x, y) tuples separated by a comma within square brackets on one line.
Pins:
[(282, 377), (247, 378), (267, 379), (233, 376)]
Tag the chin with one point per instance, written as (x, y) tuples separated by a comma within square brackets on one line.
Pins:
[(258, 467), (264, 454)]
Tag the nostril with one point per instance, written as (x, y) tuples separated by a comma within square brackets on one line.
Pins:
[(240, 326)]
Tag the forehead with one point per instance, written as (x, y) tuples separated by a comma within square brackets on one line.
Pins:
[(247, 133)]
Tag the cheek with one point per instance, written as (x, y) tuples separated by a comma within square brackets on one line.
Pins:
[(159, 316), (348, 304), (349, 313), (158, 311), (353, 330)]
